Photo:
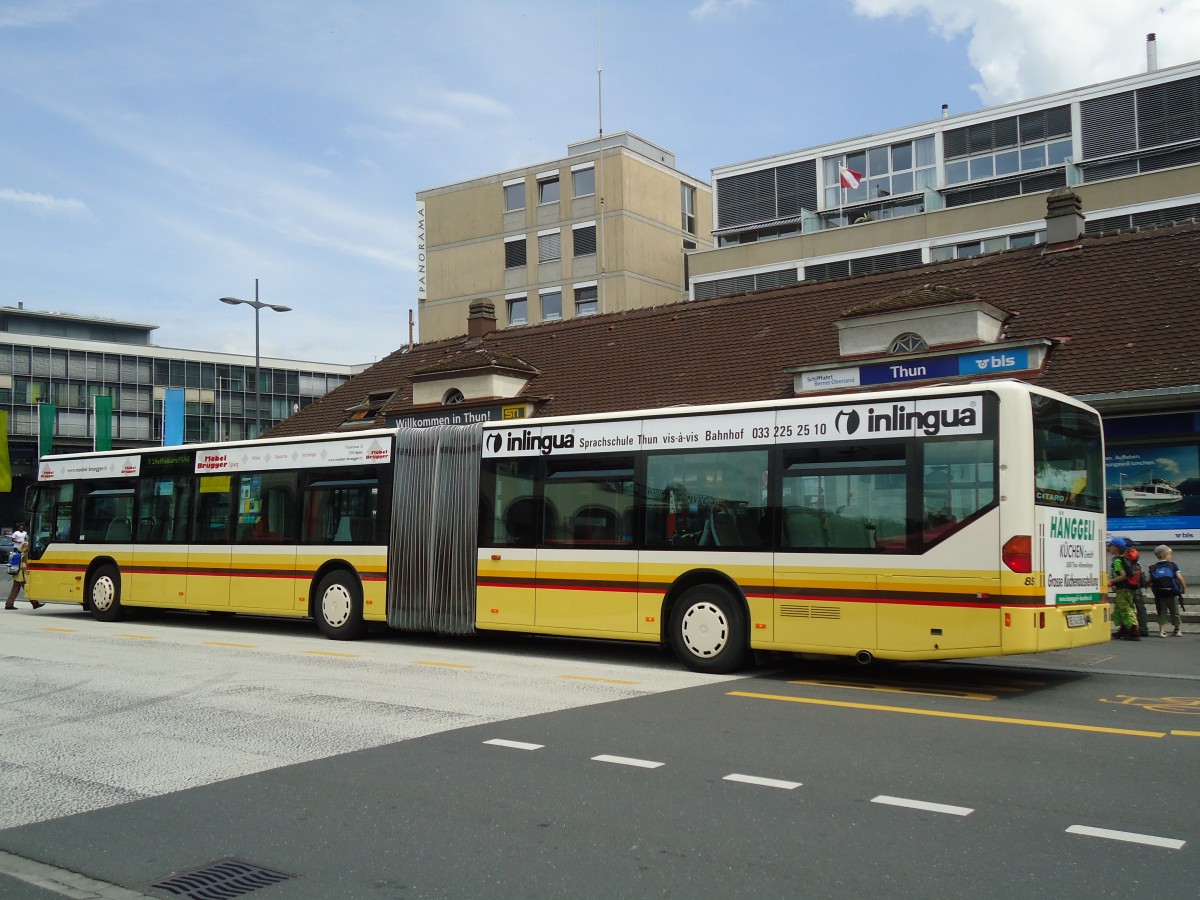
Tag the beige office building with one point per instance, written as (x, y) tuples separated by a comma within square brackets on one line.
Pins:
[(544, 244), (958, 186)]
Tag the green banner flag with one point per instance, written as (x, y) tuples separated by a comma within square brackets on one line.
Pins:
[(5, 462), (104, 421), (47, 413)]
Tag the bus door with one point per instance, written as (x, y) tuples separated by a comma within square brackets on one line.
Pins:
[(160, 553), (54, 566), (509, 528), (944, 595), (587, 561), (842, 512), (210, 555), (263, 564)]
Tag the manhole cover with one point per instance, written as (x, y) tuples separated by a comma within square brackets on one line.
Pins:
[(221, 880)]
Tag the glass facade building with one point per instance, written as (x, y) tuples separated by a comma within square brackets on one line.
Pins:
[(64, 360)]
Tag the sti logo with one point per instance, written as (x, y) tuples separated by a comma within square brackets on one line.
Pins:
[(1000, 361), (847, 421)]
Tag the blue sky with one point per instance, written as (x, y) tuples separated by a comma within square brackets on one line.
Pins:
[(158, 154)]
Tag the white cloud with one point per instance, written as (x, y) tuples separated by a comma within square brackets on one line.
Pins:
[(477, 103), (1024, 48), (711, 8), (43, 12), (42, 203)]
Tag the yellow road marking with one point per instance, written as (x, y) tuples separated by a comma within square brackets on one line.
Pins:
[(895, 689), (60, 630), (601, 680), (444, 665), (226, 644), (1186, 733), (140, 637), (331, 653), (951, 715)]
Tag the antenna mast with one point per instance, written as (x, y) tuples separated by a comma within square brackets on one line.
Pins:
[(600, 161)]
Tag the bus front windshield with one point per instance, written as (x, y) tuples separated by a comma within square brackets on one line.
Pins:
[(1068, 454)]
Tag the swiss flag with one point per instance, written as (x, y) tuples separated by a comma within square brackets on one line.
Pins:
[(850, 178)]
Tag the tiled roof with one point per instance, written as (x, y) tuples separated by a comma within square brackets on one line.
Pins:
[(1106, 303)]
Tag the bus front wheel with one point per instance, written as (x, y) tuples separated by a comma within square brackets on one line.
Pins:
[(708, 632), (339, 607), (104, 594)]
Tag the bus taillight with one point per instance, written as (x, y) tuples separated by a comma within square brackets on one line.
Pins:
[(1017, 553)]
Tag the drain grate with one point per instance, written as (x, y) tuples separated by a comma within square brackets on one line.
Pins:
[(224, 879)]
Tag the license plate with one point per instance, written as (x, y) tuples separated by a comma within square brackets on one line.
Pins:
[(1076, 620)]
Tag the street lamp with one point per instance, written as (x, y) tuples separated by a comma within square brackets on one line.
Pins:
[(257, 304)]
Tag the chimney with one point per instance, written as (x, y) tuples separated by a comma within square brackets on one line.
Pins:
[(481, 319), (945, 110), (1151, 53), (1064, 217)]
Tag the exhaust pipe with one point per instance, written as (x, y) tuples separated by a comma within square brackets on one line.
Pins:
[(864, 657)]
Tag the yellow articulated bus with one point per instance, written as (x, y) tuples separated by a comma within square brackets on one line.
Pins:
[(929, 523)]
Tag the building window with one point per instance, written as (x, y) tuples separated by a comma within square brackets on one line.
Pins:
[(453, 397), (586, 301), (583, 182), (549, 246), (688, 205), (890, 170), (551, 306), (514, 197), (514, 253), (369, 407), (584, 239), (548, 190), (518, 311), (1008, 146), (909, 342)]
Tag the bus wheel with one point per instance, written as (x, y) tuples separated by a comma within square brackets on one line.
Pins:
[(339, 607), (707, 631), (104, 594)]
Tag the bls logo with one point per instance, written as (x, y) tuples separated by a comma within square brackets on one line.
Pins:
[(495, 442), (851, 421)]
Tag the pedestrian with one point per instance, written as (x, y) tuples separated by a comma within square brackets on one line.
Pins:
[(1168, 585), (1124, 613), (19, 536), (18, 580), (1135, 583)]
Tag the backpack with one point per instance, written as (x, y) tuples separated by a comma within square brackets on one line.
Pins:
[(1163, 580), (1133, 573)]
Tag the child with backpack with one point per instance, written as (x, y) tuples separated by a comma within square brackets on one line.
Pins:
[(1124, 614), (1135, 580), (1168, 585)]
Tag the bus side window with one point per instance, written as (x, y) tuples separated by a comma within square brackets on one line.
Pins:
[(214, 506)]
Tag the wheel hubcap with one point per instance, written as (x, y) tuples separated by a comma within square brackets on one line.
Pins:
[(705, 630), (336, 606), (103, 592)]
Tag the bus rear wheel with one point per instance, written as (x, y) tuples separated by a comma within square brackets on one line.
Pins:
[(339, 607), (708, 631), (104, 594)]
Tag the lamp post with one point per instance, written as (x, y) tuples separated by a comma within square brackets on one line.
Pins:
[(258, 305)]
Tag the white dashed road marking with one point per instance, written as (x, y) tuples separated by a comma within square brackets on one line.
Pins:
[(1131, 837), (628, 761), (515, 745), (922, 805), (765, 782)]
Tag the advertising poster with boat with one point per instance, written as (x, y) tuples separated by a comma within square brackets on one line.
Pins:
[(1154, 493)]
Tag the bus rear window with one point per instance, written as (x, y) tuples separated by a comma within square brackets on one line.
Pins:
[(1068, 456)]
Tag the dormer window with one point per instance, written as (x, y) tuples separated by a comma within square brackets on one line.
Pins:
[(369, 407), (453, 397), (909, 342)]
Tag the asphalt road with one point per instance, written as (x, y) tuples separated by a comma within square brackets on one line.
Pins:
[(540, 768)]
